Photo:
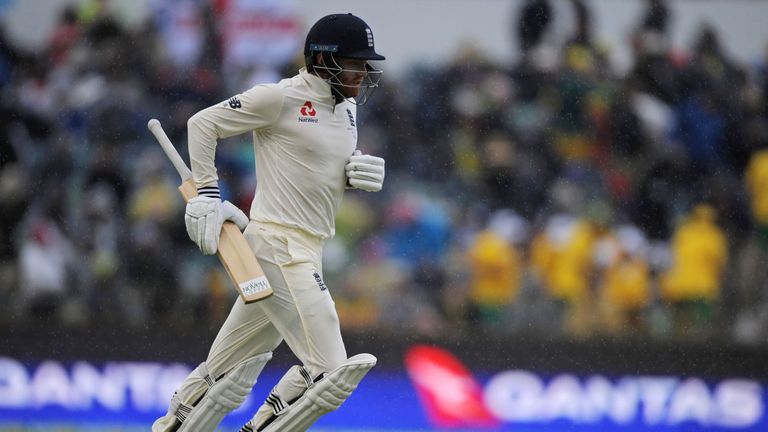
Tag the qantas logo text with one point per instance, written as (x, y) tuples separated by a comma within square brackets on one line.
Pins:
[(453, 398)]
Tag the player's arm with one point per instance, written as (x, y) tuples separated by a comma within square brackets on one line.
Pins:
[(257, 108)]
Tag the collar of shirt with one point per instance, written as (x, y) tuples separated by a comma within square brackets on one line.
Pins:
[(317, 85)]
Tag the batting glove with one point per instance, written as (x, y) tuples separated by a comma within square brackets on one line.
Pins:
[(365, 172), (204, 217)]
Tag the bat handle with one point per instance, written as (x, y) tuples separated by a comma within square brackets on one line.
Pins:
[(156, 128)]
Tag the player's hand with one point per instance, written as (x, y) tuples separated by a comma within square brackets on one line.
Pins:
[(204, 217), (365, 172)]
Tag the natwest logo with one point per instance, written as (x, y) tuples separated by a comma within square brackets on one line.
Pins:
[(307, 109), (308, 113)]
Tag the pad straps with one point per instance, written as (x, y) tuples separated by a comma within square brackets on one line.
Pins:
[(278, 404), (181, 410)]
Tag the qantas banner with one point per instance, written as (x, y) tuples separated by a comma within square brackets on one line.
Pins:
[(524, 400), (435, 392)]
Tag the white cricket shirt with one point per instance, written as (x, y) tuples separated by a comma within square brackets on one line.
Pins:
[(302, 141)]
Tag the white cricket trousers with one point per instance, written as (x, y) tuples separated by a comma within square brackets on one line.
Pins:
[(301, 311)]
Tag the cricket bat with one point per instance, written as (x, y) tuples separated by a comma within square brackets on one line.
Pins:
[(234, 252)]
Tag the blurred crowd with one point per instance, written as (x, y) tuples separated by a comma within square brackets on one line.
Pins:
[(550, 196)]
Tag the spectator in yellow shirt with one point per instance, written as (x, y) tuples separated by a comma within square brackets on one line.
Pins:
[(562, 258), (699, 254), (495, 268), (625, 282), (757, 185)]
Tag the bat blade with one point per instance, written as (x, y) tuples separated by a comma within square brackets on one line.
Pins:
[(234, 253)]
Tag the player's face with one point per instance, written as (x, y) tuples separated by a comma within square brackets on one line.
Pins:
[(354, 73)]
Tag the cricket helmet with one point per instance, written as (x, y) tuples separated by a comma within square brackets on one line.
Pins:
[(340, 36), (344, 35)]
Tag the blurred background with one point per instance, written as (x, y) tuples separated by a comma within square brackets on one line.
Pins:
[(573, 234)]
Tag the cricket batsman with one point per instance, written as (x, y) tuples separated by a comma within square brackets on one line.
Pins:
[(305, 138)]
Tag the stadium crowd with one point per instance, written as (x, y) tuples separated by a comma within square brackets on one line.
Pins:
[(551, 196)]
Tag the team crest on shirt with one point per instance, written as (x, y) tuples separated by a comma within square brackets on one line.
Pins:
[(307, 113)]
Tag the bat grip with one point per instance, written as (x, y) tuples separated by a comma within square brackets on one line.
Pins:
[(156, 128)]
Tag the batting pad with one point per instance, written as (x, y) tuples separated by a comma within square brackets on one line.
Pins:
[(324, 396), (225, 395)]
